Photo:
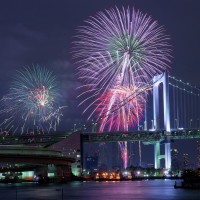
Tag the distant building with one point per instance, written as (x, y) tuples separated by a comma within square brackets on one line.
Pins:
[(91, 163), (76, 167), (185, 161), (116, 157), (175, 164), (131, 146)]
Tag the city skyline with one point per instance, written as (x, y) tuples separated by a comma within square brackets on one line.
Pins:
[(43, 33)]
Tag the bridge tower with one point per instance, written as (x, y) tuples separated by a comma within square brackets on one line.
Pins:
[(162, 78)]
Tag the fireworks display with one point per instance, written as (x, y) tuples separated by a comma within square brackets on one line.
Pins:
[(31, 102), (118, 52), (116, 38)]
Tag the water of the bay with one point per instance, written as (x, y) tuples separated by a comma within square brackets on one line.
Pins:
[(124, 190)]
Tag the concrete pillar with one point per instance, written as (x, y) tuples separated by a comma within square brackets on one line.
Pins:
[(157, 155), (156, 119), (166, 119), (163, 78)]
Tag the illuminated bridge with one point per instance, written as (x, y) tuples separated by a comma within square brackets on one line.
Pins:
[(147, 137), (46, 141), (172, 112)]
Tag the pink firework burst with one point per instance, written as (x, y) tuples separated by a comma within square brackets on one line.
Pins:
[(118, 109)]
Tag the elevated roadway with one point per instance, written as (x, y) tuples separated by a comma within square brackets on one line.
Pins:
[(35, 139), (147, 137), (32, 155)]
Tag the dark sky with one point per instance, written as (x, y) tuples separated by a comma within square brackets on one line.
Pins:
[(41, 32)]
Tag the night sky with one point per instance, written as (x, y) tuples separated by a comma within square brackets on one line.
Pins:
[(42, 32)]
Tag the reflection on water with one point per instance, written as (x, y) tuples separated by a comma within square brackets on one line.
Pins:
[(149, 189)]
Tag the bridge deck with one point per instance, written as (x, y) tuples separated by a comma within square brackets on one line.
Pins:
[(144, 136)]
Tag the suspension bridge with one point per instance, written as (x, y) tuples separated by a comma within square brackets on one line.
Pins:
[(176, 115), (172, 112)]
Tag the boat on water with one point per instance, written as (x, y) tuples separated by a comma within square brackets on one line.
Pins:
[(188, 184), (191, 180)]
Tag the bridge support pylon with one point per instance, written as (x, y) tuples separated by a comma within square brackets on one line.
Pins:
[(156, 155), (162, 78)]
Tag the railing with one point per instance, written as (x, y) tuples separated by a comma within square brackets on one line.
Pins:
[(144, 136), (147, 137)]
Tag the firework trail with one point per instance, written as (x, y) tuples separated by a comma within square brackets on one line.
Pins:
[(122, 118), (119, 50), (31, 102)]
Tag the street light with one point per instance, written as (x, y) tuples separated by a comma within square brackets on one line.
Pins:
[(84, 128), (145, 125), (138, 173), (138, 127), (152, 124), (141, 127), (94, 127), (74, 127), (190, 123)]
